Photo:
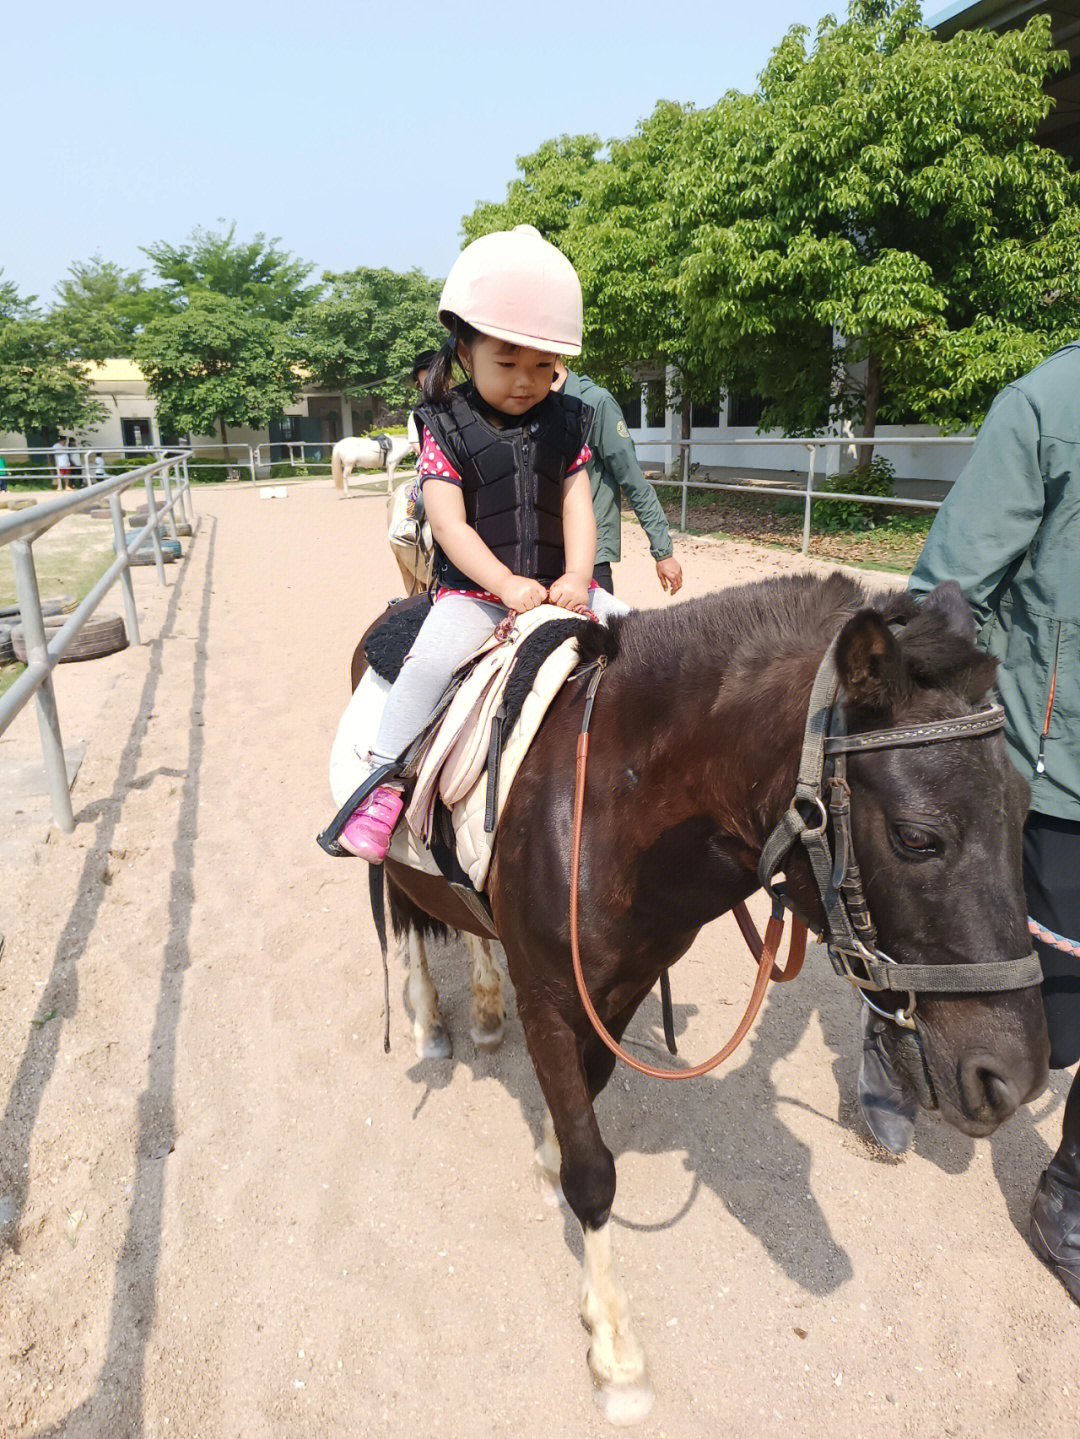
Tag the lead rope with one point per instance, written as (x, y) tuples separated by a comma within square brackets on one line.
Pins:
[(764, 952)]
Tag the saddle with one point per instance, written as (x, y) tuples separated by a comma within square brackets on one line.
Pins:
[(385, 444), (464, 765)]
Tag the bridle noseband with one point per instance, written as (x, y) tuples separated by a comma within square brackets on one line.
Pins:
[(849, 932)]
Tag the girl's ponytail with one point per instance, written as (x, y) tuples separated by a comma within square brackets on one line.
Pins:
[(440, 378)]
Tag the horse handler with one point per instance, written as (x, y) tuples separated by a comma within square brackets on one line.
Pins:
[(614, 469), (1009, 533)]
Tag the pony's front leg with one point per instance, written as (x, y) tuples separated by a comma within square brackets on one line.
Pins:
[(488, 1009), (616, 1356), (429, 1032)]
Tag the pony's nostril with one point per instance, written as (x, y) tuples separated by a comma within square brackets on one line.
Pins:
[(999, 1092), (984, 1086)]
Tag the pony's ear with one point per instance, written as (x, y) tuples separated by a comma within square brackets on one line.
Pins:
[(947, 600), (869, 662)]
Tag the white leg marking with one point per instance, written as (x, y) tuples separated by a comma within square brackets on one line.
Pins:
[(488, 1011), (432, 1040), (546, 1165), (616, 1357)]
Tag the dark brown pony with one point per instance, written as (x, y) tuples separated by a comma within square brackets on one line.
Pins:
[(695, 744)]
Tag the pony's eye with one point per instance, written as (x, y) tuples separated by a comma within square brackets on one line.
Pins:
[(916, 840)]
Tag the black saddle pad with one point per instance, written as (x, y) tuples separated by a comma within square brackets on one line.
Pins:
[(391, 638)]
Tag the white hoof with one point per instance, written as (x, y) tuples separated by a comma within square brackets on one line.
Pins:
[(624, 1404), (488, 1039), (433, 1043)]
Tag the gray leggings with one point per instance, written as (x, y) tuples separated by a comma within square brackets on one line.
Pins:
[(457, 625)]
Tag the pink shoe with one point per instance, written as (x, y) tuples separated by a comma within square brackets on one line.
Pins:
[(369, 828)]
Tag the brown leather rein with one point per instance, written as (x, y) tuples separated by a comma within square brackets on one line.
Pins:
[(764, 951)]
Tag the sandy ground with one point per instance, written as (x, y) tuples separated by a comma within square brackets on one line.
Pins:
[(229, 1215)]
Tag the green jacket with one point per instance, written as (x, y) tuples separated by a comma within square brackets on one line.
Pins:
[(614, 467), (1009, 533)]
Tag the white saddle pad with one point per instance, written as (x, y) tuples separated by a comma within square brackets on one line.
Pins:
[(360, 724)]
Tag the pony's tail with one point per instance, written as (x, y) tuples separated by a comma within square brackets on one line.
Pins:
[(337, 469)]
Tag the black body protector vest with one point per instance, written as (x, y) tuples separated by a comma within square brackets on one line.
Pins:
[(511, 478)]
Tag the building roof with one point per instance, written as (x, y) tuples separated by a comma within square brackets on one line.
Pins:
[(1061, 128)]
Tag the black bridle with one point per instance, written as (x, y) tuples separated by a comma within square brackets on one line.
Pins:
[(849, 933)]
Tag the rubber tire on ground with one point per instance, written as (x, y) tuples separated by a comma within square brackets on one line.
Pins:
[(58, 606), (99, 512), (100, 635), (7, 649), (145, 556)]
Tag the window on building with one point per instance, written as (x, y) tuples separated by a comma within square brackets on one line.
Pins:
[(135, 434), (655, 404), (630, 404), (288, 427), (705, 414), (744, 411)]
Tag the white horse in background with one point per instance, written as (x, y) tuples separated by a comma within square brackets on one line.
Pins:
[(357, 452)]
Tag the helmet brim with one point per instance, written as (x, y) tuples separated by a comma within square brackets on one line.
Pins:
[(544, 343)]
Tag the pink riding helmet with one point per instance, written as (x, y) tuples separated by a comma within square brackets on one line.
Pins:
[(515, 286)]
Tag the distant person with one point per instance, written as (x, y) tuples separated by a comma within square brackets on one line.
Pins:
[(614, 472), (3, 475), (62, 461), (420, 367), (76, 460), (99, 467)]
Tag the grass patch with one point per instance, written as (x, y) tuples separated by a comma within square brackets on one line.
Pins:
[(69, 559), (892, 540)]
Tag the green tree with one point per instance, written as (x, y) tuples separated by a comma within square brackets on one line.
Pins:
[(102, 307), (550, 189), (268, 280), (43, 385), (875, 228), (215, 363), (614, 219), (366, 331)]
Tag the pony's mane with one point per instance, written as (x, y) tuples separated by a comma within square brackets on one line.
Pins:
[(746, 627)]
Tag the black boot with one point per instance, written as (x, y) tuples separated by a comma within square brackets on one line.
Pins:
[(1055, 1210), (887, 1098)]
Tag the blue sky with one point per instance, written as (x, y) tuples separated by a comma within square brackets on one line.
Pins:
[(359, 133)]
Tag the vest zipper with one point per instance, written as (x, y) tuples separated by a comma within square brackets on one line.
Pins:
[(528, 510), (1040, 763)]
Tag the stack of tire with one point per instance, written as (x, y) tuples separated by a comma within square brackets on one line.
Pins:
[(144, 555), (100, 635)]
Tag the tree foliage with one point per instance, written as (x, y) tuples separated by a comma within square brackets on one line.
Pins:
[(215, 363), (876, 227), (102, 308), (366, 331), (269, 281), (43, 385), (872, 234)]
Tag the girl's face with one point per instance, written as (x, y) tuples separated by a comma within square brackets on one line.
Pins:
[(509, 377)]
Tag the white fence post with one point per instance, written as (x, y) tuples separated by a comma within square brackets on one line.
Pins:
[(685, 467), (131, 617), (809, 500), (33, 627)]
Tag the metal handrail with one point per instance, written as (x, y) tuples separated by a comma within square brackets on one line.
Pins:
[(20, 530), (812, 443)]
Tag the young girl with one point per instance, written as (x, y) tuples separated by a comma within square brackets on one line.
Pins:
[(505, 485)]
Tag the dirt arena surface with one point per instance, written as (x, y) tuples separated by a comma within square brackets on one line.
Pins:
[(228, 1215)]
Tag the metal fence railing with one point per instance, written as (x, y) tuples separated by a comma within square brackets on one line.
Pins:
[(807, 493), (19, 531)]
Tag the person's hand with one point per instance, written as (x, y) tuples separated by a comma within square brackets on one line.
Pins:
[(521, 594), (571, 592), (669, 573)]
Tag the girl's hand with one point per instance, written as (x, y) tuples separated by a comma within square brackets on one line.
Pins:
[(521, 594), (571, 592)]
